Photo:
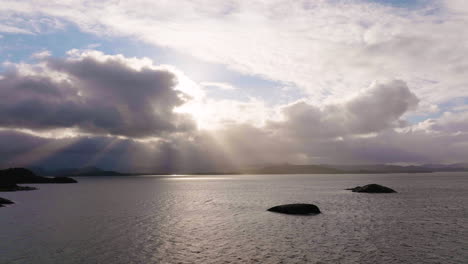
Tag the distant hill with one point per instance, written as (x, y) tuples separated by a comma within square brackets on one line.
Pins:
[(447, 167), (384, 168), (271, 169), (380, 168), (12, 176), (357, 169), (295, 169), (84, 171)]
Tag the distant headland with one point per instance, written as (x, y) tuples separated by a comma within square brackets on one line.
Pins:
[(264, 169), (22, 175), (10, 178)]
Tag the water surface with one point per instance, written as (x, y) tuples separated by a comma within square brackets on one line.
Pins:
[(223, 219)]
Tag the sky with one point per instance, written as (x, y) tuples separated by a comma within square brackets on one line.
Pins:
[(204, 85)]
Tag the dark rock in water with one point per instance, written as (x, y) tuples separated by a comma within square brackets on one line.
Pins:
[(13, 187), (21, 175), (4, 201), (302, 209), (372, 188), (64, 180)]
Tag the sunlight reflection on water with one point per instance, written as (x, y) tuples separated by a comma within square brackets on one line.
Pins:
[(197, 178)]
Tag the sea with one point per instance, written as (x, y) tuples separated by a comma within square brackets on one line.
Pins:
[(224, 219)]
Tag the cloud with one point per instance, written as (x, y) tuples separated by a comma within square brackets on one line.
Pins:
[(327, 48), (21, 18), (366, 128), (448, 123), (215, 113), (220, 85), (41, 54), (379, 107), (12, 29), (93, 93), (172, 155), (72, 112)]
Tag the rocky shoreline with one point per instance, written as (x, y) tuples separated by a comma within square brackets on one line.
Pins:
[(14, 187), (4, 201), (10, 178)]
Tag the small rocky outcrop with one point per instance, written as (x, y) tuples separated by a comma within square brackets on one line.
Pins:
[(372, 188), (63, 180), (4, 201), (13, 187), (298, 209)]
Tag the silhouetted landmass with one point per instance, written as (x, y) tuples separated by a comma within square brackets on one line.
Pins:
[(13, 187), (85, 171), (267, 169), (295, 169), (447, 167), (356, 169), (22, 175), (4, 201), (300, 209), (380, 168), (10, 178), (372, 188), (94, 171), (337, 169)]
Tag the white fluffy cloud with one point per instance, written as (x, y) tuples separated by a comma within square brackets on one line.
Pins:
[(448, 123), (375, 109), (328, 48)]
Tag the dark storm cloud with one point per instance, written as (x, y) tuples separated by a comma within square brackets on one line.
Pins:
[(94, 95)]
